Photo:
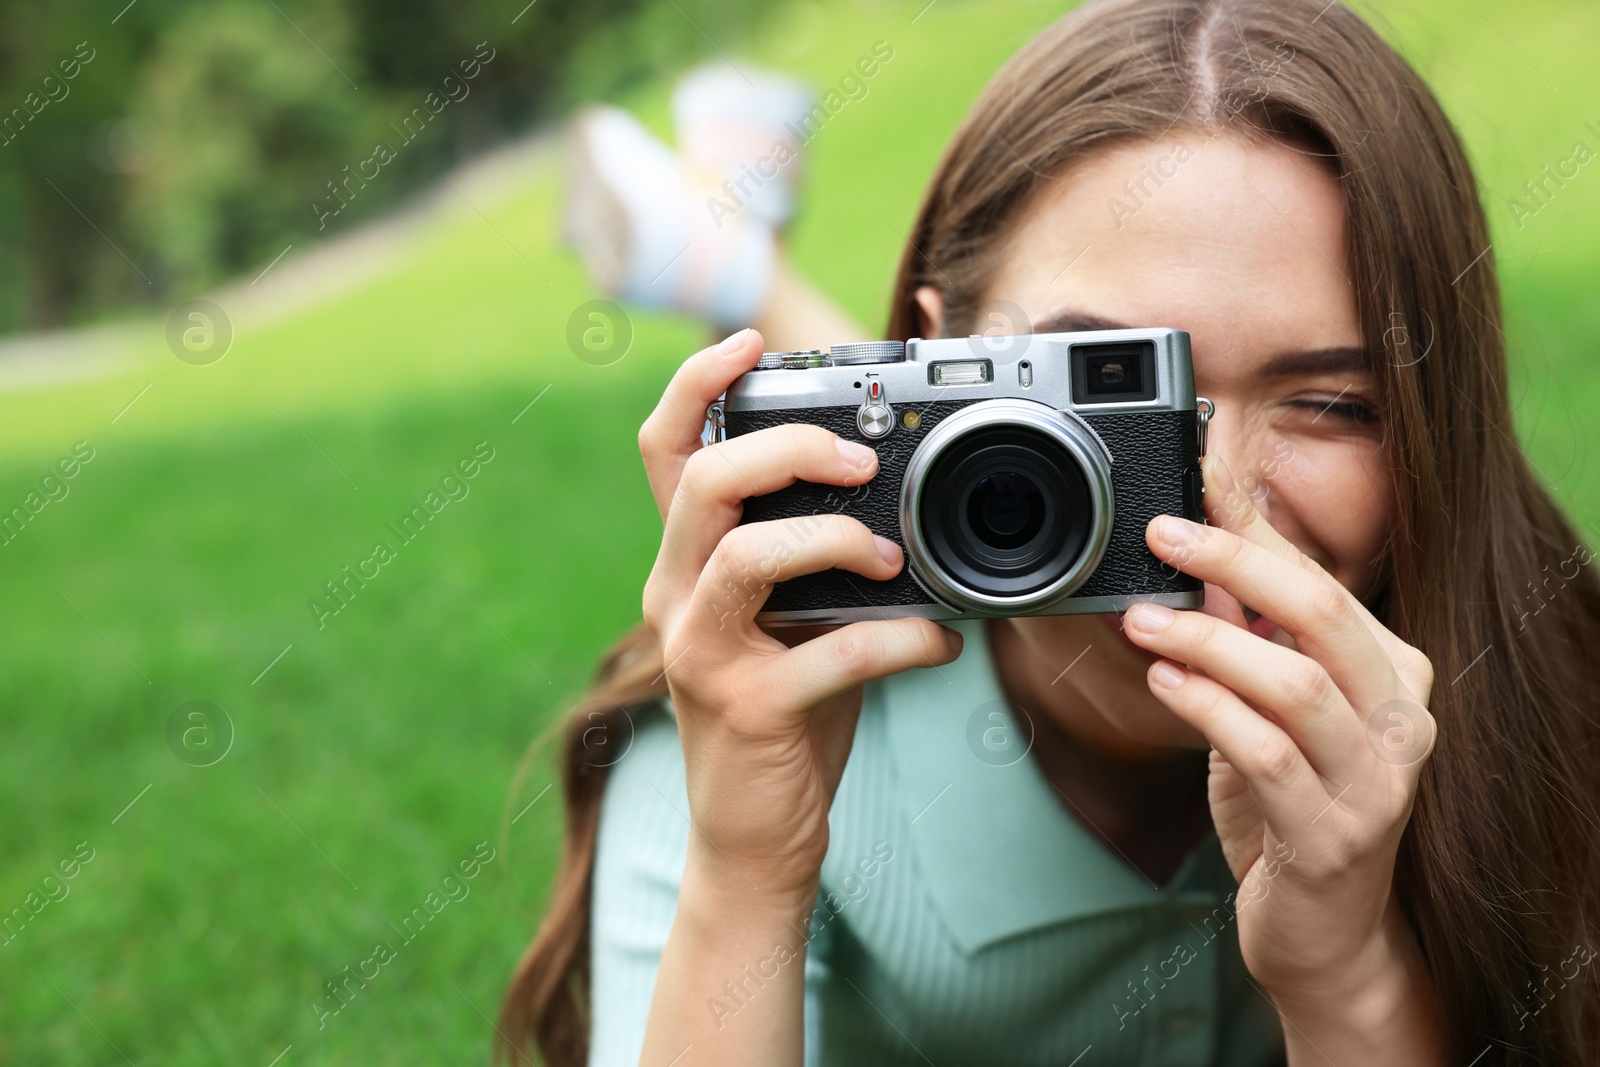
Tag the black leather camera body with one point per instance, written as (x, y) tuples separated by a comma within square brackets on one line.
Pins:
[(1017, 472)]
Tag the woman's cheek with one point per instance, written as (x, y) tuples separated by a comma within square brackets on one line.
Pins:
[(1335, 494)]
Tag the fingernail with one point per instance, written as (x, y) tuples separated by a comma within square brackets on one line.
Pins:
[(857, 455), (1175, 531), (732, 342), (1167, 675), (954, 638), (1150, 618), (888, 550)]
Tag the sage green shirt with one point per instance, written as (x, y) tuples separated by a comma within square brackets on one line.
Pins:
[(965, 915)]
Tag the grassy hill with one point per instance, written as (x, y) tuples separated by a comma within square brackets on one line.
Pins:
[(373, 750)]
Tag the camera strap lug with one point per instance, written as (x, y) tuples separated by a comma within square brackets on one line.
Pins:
[(1202, 419), (716, 428)]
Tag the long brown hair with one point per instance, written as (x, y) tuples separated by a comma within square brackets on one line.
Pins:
[(1499, 869)]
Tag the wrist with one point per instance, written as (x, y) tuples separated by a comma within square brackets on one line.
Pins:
[(1367, 1001), (731, 982), (718, 890), (1382, 1006), (1388, 968)]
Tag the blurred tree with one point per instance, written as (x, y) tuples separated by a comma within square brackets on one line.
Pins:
[(61, 229), (196, 140), (234, 129)]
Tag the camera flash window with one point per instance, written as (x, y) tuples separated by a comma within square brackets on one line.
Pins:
[(961, 372)]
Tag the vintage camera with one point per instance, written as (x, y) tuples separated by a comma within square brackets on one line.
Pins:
[(1017, 472)]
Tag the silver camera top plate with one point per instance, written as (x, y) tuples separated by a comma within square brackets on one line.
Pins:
[(1035, 367)]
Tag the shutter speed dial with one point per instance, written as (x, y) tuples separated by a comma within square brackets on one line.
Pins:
[(875, 418)]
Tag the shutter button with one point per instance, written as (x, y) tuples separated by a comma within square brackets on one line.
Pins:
[(876, 418)]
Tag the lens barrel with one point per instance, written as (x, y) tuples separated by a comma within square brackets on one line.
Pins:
[(1007, 506)]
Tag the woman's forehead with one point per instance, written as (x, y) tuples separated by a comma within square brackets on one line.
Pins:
[(1236, 241)]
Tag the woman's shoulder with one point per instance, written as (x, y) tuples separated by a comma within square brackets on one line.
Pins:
[(643, 761), (643, 835)]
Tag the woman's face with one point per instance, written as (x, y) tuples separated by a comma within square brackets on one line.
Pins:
[(1244, 246)]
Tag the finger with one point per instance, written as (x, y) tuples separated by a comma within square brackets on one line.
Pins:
[(672, 432), (860, 652), (1230, 508), (1235, 814), (715, 481), (1294, 688), (1286, 787), (751, 559), (1314, 609)]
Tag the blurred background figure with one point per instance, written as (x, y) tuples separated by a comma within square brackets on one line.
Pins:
[(696, 230)]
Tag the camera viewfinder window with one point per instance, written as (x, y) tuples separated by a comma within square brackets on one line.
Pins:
[(1113, 373)]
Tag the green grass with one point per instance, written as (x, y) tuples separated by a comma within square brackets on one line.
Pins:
[(380, 749)]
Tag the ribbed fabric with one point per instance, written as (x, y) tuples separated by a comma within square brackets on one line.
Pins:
[(965, 916)]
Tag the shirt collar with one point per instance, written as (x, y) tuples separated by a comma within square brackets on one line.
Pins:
[(999, 852)]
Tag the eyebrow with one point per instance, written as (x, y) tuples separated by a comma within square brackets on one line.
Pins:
[(1070, 321), (1342, 359)]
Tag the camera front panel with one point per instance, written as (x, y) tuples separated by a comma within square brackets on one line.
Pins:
[(1155, 471), (876, 503)]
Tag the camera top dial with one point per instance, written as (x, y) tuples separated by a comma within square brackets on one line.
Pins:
[(851, 354), (858, 352)]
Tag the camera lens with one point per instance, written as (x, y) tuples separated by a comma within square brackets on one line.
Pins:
[(1006, 506), (1006, 510)]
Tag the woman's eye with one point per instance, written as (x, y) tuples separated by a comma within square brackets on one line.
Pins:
[(1349, 411)]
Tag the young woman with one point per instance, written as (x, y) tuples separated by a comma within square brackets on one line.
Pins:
[(1389, 854)]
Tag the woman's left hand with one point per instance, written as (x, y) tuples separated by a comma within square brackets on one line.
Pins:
[(1317, 753)]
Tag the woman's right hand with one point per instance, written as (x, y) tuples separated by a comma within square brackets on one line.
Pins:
[(766, 728)]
